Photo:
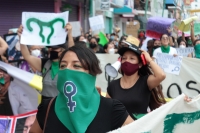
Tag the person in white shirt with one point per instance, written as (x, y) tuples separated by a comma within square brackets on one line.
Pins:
[(165, 47)]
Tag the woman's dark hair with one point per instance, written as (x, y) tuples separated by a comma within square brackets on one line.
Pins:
[(77, 38), (157, 98), (150, 45), (181, 40), (11, 78), (81, 43), (89, 38), (162, 36), (106, 46), (93, 38), (120, 41), (88, 59)]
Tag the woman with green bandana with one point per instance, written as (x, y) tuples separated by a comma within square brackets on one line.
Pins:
[(196, 53), (165, 47), (48, 67), (196, 42), (79, 108)]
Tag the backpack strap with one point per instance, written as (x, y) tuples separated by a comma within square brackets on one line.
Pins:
[(46, 68), (47, 113)]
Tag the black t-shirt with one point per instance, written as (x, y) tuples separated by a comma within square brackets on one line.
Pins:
[(136, 99), (110, 116)]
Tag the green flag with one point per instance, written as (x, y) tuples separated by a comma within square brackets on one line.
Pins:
[(78, 101), (103, 39)]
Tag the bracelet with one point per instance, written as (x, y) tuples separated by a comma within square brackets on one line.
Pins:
[(150, 62)]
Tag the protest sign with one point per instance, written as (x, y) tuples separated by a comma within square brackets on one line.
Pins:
[(13, 52), (105, 5), (169, 63), (17, 123), (5, 124), (22, 123), (184, 51), (76, 30), (186, 82), (132, 28), (159, 24), (96, 23), (185, 24), (177, 116), (44, 28)]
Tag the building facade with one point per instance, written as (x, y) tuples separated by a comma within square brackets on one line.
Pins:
[(11, 11)]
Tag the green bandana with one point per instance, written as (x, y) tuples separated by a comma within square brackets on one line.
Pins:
[(138, 116), (78, 101), (2, 81), (165, 49), (54, 69), (189, 42), (197, 50)]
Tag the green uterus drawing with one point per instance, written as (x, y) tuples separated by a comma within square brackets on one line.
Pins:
[(42, 24)]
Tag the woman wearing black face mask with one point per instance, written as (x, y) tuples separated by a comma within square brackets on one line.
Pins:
[(93, 44), (138, 88), (48, 67)]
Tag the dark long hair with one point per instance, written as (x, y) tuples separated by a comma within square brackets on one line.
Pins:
[(88, 59), (157, 98)]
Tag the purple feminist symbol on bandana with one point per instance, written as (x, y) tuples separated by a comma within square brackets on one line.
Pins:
[(71, 104)]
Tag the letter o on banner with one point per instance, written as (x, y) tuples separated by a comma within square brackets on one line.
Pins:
[(168, 90)]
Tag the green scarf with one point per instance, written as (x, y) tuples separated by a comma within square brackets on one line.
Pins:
[(138, 116), (165, 49), (2, 81), (189, 42), (78, 101), (197, 51), (54, 69)]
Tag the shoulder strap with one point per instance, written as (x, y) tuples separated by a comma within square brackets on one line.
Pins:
[(47, 67), (47, 113)]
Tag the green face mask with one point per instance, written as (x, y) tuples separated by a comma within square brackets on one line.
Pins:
[(77, 101), (2, 81), (197, 50)]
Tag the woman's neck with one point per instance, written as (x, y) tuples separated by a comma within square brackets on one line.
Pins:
[(128, 81), (131, 78)]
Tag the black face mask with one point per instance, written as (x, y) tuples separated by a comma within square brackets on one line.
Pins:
[(93, 45), (155, 47), (53, 55)]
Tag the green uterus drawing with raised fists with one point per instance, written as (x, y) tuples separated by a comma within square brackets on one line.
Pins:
[(42, 24)]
